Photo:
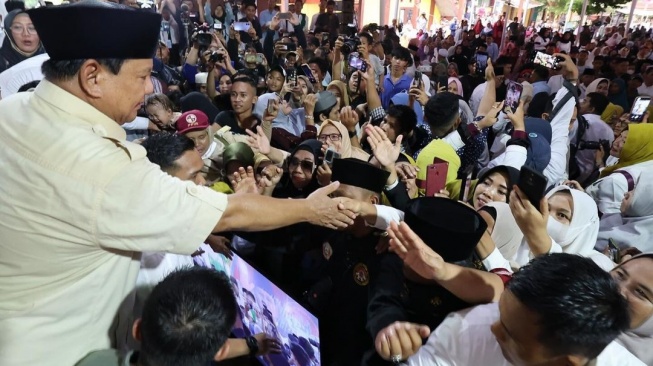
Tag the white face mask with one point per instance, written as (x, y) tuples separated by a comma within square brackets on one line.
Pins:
[(557, 231)]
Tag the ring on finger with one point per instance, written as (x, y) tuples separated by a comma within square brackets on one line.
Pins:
[(396, 359)]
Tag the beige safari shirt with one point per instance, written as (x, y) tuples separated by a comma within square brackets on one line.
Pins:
[(77, 205)]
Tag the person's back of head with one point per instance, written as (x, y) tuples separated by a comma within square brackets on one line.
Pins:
[(405, 116), (579, 307), (598, 102), (441, 113), (187, 319), (540, 73)]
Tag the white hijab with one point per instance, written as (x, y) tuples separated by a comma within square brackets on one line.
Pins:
[(578, 237), (639, 341), (506, 234), (634, 227)]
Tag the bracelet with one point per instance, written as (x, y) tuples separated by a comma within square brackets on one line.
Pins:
[(476, 125), (252, 344), (309, 117), (351, 134)]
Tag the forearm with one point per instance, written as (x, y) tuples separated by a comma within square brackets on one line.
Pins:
[(539, 242), (336, 66), (237, 348), (471, 285), (193, 56), (488, 99), (373, 98), (210, 85), (271, 213)]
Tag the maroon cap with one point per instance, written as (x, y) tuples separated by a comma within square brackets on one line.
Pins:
[(192, 121)]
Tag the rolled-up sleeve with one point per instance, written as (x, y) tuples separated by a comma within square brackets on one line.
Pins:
[(145, 209)]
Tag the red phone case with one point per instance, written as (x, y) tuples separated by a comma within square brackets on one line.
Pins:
[(436, 177)]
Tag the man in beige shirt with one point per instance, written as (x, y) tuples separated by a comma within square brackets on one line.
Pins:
[(79, 203)]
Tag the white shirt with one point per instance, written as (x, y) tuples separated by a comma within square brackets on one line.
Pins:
[(645, 90), (465, 339)]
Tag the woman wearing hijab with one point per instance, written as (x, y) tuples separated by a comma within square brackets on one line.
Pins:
[(335, 135), (299, 180), (339, 89), (21, 41), (635, 157), (572, 226), (633, 226), (460, 60), (503, 229), (635, 278), (617, 94), (602, 85), (455, 86)]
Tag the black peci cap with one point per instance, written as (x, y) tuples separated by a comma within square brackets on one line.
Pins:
[(93, 29), (452, 229), (358, 173)]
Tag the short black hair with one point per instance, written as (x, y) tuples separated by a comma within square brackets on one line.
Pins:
[(405, 116), (164, 149), (580, 307), (249, 3), (314, 42), (441, 112), (402, 53), (367, 36), (541, 72), (243, 78), (187, 318), (66, 69), (599, 102), (331, 2), (321, 64)]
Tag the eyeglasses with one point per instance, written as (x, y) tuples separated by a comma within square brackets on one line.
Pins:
[(17, 28), (306, 165), (333, 137)]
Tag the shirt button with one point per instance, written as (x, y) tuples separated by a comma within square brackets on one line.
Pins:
[(193, 190)]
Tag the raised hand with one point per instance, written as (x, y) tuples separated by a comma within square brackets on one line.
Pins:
[(384, 150), (244, 182), (416, 255), (267, 344), (258, 141), (324, 174), (349, 118)]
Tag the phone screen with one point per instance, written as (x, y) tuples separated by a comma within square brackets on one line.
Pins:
[(513, 94), (284, 16), (481, 63), (465, 185), (308, 73), (639, 108), (217, 26), (356, 62), (417, 80), (545, 60), (271, 103), (241, 26)]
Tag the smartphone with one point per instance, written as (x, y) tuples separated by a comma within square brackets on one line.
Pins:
[(217, 26), (466, 183), (325, 37), (615, 252), (271, 105), (330, 155), (639, 109), (436, 177), (284, 16), (250, 59), (547, 61), (241, 26), (533, 184), (259, 58), (443, 81), (356, 62), (292, 78), (417, 79), (308, 73), (481, 62), (513, 95)]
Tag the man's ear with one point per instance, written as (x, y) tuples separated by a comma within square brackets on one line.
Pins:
[(223, 352), (91, 78), (136, 330), (457, 123), (375, 200)]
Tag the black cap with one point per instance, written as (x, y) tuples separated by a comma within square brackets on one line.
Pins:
[(96, 29), (452, 229), (278, 68), (358, 173)]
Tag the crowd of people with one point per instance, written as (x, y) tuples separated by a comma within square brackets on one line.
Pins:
[(390, 189)]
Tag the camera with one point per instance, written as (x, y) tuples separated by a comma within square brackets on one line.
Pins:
[(594, 145), (216, 57), (351, 44), (202, 36)]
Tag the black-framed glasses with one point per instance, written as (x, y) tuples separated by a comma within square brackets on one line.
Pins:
[(333, 137), (306, 165)]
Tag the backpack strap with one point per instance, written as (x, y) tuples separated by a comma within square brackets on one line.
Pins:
[(573, 93)]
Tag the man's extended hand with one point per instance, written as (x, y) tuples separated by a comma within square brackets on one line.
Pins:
[(415, 253), (326, 211), (400, 339)]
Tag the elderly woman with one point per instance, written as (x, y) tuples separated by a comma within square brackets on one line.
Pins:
[(21, 41)]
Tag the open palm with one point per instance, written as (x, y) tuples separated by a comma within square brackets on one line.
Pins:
[(384, 150), (414, 252)]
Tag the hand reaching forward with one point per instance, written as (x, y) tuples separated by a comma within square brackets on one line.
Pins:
[(258, 141), (244, 182), (384, 150), (415, 253), (400, 339), (329, 212)]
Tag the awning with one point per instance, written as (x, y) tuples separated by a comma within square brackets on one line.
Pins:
[(644, 8)]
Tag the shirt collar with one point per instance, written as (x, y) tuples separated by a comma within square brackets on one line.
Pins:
[(60, 99)]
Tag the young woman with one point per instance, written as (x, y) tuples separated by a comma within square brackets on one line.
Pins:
[(21, 41), (602, 85)]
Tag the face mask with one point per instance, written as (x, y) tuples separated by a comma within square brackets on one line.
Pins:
[(557, 231), (630, 72)]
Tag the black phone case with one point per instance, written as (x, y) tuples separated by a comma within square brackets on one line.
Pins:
[(532, 184)]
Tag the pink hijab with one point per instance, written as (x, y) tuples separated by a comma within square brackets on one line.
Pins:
[(459, 85)]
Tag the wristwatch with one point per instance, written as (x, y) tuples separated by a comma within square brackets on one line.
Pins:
[(351, 134), (252, 344)]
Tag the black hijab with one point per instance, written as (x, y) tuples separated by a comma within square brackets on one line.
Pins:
[(286, 189), (10, 54)]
